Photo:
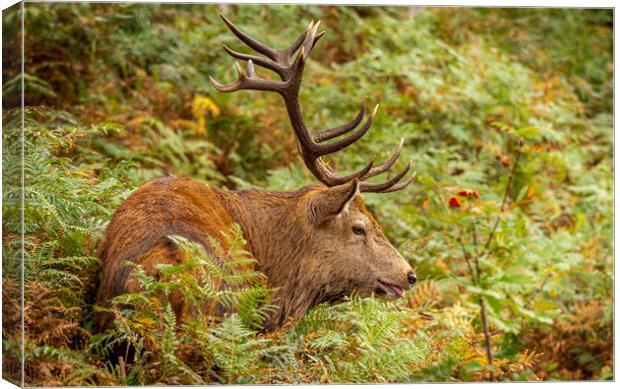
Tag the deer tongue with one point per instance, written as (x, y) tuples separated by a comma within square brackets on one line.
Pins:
[(396, 290), (393, 289)]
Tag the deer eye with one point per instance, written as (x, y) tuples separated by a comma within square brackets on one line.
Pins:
[(357, 230)]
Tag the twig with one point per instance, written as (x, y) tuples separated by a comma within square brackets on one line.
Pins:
[(121, 364), (475, 277), (466, 254), (474, 237), (487, 336), (506, 191), (538, 289), (483, 313), (467, 257), (477, 263), (485, 251), (542, 284)]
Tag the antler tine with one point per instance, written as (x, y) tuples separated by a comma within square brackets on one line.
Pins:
[(311, 37), (368, 187), (319, 36), (279, 60), (332, 133), (324, 174), (248, 40), (297, 68), (401, 185), (250, 69), (251, 81), (224, 88), (260, 61), (332, 147), (298, 42), (388, 164)]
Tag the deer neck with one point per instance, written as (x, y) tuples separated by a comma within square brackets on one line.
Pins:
[(276, 237)]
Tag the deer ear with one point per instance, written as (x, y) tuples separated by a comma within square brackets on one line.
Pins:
[(328, 203)]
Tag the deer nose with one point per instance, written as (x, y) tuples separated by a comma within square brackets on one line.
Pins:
[(411, 278)]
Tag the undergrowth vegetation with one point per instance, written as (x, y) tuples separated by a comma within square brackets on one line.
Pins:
[(505, 113)]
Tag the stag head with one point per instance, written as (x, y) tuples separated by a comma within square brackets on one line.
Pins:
[(345, 243)]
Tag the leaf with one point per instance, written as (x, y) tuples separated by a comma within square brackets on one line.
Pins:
[(528, 132)]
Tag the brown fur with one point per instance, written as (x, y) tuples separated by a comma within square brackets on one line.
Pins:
[(303, 240)]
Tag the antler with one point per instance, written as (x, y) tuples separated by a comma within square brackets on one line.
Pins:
[(311, 145)]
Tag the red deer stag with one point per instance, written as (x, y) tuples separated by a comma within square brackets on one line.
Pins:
[(317, 244)]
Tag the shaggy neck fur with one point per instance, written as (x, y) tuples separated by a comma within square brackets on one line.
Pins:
[(265, 218)]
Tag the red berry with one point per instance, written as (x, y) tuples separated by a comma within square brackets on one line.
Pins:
[(454, 202), (468, 193)]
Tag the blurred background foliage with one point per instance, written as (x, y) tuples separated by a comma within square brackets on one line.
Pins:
[(512, 104)]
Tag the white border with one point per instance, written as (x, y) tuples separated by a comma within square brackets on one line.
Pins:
[(478, 3), (431, 3)]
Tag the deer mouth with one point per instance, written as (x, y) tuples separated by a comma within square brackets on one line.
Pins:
[(388, 291)]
